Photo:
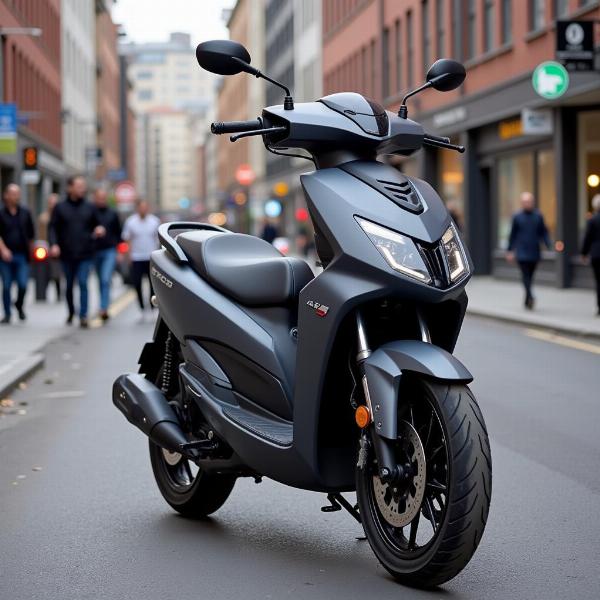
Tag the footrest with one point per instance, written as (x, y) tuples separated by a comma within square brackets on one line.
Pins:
[(278, 432)]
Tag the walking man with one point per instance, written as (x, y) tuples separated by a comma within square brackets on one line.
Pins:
[(141, 231), (16, 242), (527, 232), (74, 227), (591, 244), (43, 225), (106, 248)]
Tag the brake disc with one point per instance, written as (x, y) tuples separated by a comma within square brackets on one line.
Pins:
[(400, 503)]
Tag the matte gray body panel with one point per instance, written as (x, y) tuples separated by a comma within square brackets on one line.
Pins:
[(384, 369)]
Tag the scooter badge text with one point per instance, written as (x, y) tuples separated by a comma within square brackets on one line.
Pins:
[(320, 309), (162, 278)]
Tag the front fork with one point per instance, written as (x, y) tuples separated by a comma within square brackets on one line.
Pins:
[(388, 468)]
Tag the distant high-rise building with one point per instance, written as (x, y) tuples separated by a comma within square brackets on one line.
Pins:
[(169, 93)]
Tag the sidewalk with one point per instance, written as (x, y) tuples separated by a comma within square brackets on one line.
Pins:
[(571, 311), (22, 343)]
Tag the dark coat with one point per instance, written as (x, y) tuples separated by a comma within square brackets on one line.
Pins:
[(17, 231), (527, 232), (110, 220), (71, 227), (591, 240)]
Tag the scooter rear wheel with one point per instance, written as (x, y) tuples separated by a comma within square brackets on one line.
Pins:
[(187, 488), (424, 530)]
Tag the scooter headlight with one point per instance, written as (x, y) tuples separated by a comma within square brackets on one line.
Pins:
[(455, 254), (398, 250)]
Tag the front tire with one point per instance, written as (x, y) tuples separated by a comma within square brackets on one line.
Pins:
[(427, 545)]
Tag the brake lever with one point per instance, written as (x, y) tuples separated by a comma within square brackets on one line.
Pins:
[(440, 144), (237, 136)]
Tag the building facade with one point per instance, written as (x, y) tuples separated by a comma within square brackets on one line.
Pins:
[(242, 97), (31, 78), (107, 92), (78, 75), (383, 48)]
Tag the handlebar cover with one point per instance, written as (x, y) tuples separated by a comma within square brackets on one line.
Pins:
[(221, 127)]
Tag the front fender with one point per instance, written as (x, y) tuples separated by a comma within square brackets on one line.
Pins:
[(384, 369)]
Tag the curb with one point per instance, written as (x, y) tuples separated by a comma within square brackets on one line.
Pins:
[(578, 332), (20, 369)]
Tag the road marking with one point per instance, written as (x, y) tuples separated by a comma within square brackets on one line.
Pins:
[(546, 336), (117, 307)]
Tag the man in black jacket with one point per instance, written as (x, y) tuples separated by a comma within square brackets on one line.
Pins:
[(105, 257), (591, 244), (16, 240), (73, 229)]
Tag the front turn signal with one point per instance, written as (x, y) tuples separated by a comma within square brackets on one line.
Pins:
[(362, 416)]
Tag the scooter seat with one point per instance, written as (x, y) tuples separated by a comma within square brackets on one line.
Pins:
[(244, 267)]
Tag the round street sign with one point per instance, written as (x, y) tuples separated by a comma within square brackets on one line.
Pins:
[(550, 80), (125, 193), (244, 175)]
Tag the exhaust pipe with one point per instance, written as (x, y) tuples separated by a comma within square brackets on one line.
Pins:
[(146, 407)]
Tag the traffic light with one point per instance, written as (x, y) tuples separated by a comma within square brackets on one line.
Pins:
[(30, 158)]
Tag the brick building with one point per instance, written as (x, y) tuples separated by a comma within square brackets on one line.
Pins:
[(382, 48), (31, 79)]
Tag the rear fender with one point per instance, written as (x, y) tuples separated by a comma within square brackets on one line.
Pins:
[(384, 369)]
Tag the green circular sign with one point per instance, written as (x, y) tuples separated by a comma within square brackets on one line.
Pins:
[(550, 80)]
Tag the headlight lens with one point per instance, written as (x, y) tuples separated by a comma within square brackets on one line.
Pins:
[(455, 254), (398, 250)]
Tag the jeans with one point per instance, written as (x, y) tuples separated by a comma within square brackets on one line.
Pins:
[(15, 271), (596, 270), (80, 270), (527, 270), (139, 269), (105, 261)]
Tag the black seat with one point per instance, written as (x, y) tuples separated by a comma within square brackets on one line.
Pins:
[(245, 267)]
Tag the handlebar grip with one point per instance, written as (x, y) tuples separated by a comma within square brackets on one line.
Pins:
[(221, 127), (437, 138)]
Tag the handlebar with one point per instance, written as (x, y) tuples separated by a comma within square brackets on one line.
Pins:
[(221, 127), (441, 142), (437, 138)]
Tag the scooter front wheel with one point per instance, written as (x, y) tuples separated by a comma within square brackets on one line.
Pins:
[(425, 528)]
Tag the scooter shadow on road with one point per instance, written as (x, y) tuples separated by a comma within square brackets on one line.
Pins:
[(296, 549)]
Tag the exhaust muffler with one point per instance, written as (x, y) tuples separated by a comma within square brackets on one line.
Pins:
[(146, 407)]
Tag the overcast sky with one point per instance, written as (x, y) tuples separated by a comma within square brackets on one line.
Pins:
[(153, 21)]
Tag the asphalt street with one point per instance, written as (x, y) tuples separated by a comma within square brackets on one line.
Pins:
[(81, 517)]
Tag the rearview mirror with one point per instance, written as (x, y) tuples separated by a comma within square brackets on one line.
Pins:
[(446, 74), (223, 57)]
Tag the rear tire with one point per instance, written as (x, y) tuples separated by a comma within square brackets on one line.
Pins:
[(456, 500), (192, 495)]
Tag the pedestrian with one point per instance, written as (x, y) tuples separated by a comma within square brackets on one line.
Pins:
[(269, 231), (527, 232), (105, 257), (141, 231), (16, 246), (54, 269), (73, 229), (591, 244)]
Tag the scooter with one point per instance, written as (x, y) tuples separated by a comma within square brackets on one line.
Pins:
[(339, 382)]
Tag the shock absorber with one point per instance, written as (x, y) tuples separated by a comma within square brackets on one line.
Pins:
[(167, 364)]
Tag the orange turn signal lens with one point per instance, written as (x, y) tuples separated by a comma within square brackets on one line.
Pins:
[(362, 416)]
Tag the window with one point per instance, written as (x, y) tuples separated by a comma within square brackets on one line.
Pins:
[(561, 8), (145, 95), (385, 59), (488, 25), (440, 28), (588, 153), (373, 91), (471, 29), (506, 21), (451, 182), (457, 49), (145, 75), (537, 16), (546, 192), (398, 57), (425, 34), (409, 49)]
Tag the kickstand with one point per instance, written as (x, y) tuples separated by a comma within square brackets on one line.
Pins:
[(338, 502)]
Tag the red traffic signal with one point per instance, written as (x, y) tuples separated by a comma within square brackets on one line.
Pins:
[(30, 158)]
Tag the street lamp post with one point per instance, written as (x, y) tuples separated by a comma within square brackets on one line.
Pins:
[(5, 32)]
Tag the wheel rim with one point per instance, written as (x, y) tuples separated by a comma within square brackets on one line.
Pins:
[(181, 472), (407, 529)]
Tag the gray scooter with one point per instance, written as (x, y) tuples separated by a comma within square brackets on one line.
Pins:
[(340, 382)]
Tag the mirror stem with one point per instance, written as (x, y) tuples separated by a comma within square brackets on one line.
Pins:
[(403, 110), (288, 102)]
